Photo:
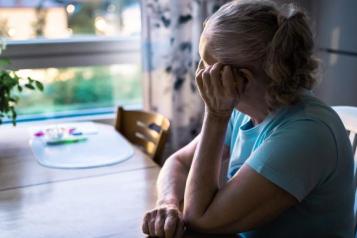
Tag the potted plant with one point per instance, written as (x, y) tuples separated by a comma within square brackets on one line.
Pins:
[(10, 82)]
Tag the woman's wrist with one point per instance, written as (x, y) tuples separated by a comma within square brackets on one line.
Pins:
[(220, 118), (168, 201), (217, 115)]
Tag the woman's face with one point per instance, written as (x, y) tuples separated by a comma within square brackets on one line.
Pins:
[(207, 59), (253, 89)]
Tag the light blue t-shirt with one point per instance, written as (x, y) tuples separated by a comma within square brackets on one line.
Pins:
[(304, 149)]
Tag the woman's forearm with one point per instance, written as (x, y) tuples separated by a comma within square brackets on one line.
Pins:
[(203, 178), (171, 182)]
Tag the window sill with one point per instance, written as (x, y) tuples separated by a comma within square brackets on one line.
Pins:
[(105, 117)]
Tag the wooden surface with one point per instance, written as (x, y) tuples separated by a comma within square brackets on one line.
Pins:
[(149, 130), (38, 202)]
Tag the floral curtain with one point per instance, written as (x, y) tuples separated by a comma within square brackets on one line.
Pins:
[(171, 31)]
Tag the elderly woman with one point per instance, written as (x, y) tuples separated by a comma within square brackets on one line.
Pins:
[(284, 156)]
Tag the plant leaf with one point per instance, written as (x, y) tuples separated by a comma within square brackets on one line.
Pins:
[(13, 99), (39, 85), (29, 86)]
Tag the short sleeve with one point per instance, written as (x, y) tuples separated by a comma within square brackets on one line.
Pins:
[(297, 156)]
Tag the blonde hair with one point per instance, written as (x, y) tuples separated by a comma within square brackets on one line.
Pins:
[(258, 35)]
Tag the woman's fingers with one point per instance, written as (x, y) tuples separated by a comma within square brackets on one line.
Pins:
[(180, 228), (151, 222), (145, 226), (200, 85), (206, 79), (200, 66), (159, 223), (215, 75), (228, 81), (199, 80), (217, 88), (170, 226), (151, 226), (209, 79), (163, 222)]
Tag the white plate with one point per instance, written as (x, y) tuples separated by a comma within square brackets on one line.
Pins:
[(106, 147)]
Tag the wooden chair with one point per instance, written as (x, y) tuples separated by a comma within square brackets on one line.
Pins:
[(348, 116), (147, 130)]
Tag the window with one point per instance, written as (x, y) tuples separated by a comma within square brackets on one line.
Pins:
[(53, 19), (86, 52)]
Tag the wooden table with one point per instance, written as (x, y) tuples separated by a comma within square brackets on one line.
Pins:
[(36, 201), (40, 202)]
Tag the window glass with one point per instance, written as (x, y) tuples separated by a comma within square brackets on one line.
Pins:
[(72, 91), (29, 19)]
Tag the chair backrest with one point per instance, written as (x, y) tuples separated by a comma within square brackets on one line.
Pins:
[(147, 130), (348, 116)]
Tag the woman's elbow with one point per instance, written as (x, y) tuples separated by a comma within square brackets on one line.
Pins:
[(209, 225), (196, 222)]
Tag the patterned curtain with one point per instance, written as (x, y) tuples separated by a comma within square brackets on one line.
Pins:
[(171, 31)]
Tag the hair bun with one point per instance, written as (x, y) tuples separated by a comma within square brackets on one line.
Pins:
[(289, 12), (281, 19), (289, 63)]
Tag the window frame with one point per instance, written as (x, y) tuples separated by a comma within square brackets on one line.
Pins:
[(72, 52)]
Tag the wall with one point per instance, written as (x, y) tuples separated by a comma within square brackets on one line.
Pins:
[(337, 48), (333, 23)]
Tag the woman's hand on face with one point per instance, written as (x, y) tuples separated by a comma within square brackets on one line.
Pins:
[(164, 221), (217, 88)]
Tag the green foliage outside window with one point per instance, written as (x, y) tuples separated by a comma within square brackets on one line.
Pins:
[(83, 88)]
